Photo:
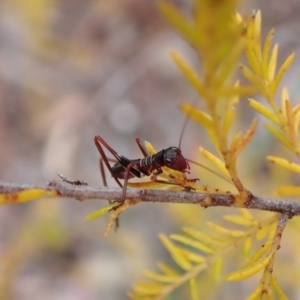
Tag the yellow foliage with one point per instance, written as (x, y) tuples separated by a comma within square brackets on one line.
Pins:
[(284, 163), (161, 278), (255, 295), (192, 243), (26, 195), (215, 160), (289, 190), (230, 112), (167, 270), (199, 235), (259, 253), (279, 292), (214, 248), (247, 246), (225, 231), (190, 74), (277, 133), (180, 259), (248, 270), (263, 110), (100, 212)]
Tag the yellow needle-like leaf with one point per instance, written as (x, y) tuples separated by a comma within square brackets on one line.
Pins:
[(150, 148), (193, 289), (257, 34), (192, 243), (215, 160), (254, 79), (279, 292), (251, 41), (217, 269), (247, 246), (253, 59), (199, 235), (263, 110), (229, 64), (101, 212), (237, 17), (296, 109), (262, 232), (228, 91), (148, 288), (273, 63), (255, 295), (246, 214), (178, 21), (190, 74), (253, 51), (279, 135), (197, 115), (167, 270), (289, 191), (249, 270), (223, 230), (176, 255), (259, 253), (266, 53), (159, 277), (235, 142), (284, 163), (250, 28), (192, 256), (247, 137), (290, 121), (240, 220), (284, 67), (297, 122), (285, 96), (229, 114), (26, 195)]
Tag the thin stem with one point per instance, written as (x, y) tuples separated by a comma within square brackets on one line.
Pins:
[(267, 277), (83, 193)]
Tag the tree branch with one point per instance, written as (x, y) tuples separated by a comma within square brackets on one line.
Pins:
[(83, 193)]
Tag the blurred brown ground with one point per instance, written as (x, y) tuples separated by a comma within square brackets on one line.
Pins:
[(70, 70)]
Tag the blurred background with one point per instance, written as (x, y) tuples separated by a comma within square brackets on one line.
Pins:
[(70, 70)]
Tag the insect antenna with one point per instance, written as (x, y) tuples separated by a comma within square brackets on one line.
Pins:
[(192, 161), (187, 118), (210, 170)]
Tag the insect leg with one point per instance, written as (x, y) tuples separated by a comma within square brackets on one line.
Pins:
[(102, 168), (98, 140), (126, 177), (128, 165), (124, 162), (142, 147)]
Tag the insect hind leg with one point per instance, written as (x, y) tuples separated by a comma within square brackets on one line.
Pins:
[(142, 147), (127, 164), (98, 141)]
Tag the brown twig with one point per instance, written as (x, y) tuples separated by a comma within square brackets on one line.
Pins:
[(83, 193), (267, 277)]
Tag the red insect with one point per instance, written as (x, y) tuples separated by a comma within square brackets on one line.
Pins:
[(150, 165)]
